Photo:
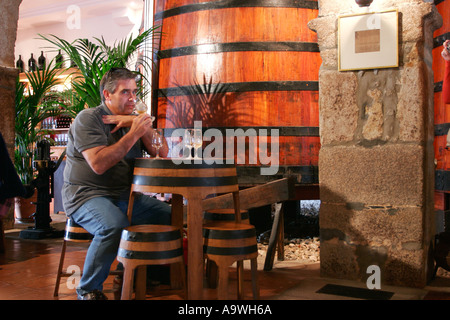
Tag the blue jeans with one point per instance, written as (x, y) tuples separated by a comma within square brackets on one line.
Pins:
[(105, 218)]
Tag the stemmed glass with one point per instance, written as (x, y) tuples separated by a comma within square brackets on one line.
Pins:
[(197, 141), (140, 107), (188, 141), (157, 141)]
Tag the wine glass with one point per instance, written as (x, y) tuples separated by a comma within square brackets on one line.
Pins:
[(140, 107), (197, 141), (157, 141), (188, 141)]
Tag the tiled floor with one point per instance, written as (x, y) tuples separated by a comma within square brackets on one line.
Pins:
[(28, 272)]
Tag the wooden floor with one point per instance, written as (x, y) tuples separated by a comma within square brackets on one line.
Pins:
[(28, 272)]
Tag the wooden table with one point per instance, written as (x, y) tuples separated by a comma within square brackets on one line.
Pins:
[(194, 181)]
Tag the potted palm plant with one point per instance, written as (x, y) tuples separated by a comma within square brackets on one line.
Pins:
[(94, 58), (34, 103)]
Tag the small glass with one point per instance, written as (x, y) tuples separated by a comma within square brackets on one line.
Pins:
[(157, 141), (197, 142), (188, 141), (140, 107)]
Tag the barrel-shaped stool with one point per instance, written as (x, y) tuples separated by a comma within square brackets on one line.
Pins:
[(143, 245), (221, 215), (73, 233), (226, 243)]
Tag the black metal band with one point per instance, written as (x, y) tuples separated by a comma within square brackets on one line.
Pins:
[(442, 180), (439, 40), (441, 129), (184, 181), (169, 164), (239, 46), (136, 236), (283, 131), (150, 255), (224, 4), (230, 251), (81, 236), (248, 87)]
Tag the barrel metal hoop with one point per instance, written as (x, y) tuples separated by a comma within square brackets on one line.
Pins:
[(85, 236), (185, 181), (150, 255), (193, 165), (224, 4), (249, 86), (136, 236), (239, 46), (230, 251)]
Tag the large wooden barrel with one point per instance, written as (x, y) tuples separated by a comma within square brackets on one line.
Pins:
[(442, 122), (256, 63)]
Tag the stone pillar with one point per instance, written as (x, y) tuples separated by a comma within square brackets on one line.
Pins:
[(377, 160), (9, 15)]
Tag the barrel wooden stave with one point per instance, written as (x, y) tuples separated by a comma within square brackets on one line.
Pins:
[(231, 25), (266, 66), (300, 109)]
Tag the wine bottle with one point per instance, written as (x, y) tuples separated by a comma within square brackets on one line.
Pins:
[(19, 64), (41, 61), (31, 64), (59, 59)]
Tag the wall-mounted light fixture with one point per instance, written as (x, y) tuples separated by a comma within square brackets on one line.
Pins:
[(363, 3)]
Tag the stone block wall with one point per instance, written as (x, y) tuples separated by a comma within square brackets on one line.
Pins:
[(376, 161), (9, 15)]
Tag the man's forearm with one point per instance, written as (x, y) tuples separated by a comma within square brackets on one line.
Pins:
[(103, 158)]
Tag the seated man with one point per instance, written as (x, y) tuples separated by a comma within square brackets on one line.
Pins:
[(98, 176)]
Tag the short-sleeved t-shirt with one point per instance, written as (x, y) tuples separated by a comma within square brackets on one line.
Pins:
[(81, 183)]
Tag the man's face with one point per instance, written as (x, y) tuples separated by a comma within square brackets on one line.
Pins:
[(122, 101)]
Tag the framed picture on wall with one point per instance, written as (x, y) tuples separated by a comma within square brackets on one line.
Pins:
[(368, 41)]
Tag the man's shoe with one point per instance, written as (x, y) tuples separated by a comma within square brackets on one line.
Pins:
[(94, 295)]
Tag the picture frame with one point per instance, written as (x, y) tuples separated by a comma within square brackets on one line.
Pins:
[(368, 41)]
